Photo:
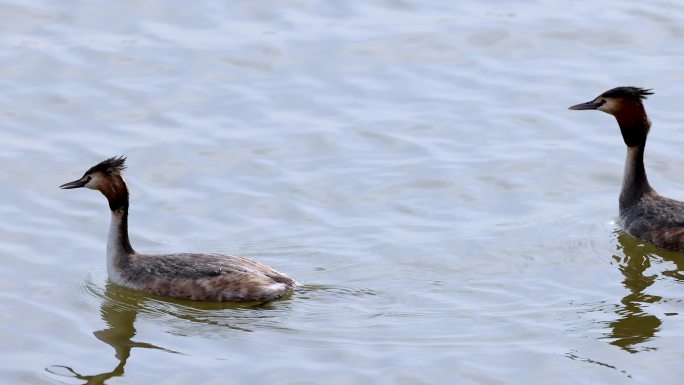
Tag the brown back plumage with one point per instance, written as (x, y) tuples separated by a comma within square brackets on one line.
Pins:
[(204, 277)]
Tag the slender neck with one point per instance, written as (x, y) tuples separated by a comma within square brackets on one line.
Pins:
[(634, 183), (634, 126), (118, 232), (118, 244)]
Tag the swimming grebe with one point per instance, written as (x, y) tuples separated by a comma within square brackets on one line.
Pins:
[(643, 212), (203, 277)]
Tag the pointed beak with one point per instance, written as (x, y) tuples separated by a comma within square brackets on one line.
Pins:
[(586, 106), (75, 184)]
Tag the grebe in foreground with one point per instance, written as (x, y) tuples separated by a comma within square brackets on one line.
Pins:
[(203, 277), (643, 212)]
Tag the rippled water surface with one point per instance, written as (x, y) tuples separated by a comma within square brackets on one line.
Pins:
[(412, 164)]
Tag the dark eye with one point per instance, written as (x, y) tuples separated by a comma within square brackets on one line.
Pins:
[(88, 178)]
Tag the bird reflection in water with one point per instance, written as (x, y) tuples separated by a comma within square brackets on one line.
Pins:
[(119, 314), (635, 325)]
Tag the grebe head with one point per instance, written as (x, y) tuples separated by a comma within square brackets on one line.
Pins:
[(625, 104), (107, 178), (616, 101), (100, 175)]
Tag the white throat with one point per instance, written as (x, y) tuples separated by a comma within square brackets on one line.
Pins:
[(630, 166), (634, 183), (115, 252)]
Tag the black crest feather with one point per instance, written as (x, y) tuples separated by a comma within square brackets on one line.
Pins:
[(630, 93), (111, 166)]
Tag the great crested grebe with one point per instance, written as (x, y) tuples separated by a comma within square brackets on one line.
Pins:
[(643, 212), (203, 277)]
